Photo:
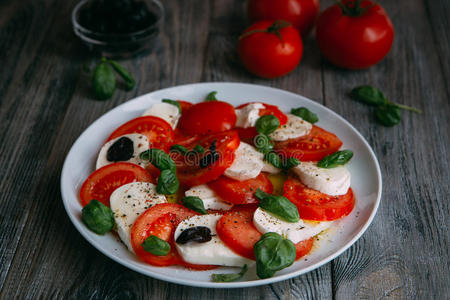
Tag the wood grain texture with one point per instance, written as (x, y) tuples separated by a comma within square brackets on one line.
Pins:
[(45, 104)]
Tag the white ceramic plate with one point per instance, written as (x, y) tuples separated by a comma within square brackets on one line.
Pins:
[(364, 169)]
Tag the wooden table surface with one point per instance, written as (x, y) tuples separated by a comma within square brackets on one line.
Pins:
[(45, 104)]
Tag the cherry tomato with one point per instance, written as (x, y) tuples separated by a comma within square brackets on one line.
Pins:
[(241, 192), (312, 147), (270, 49), (354, 37), (102, 182), (207, 117), (159, 133), (185, 105), (314, 205), (300, 13), (191, 173)]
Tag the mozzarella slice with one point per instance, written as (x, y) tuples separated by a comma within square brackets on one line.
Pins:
[(140, 144), (210, 199), (128, 202), (168, 112), (294, 128), (248, 115), (296, 232), (247, 164), (214, 252), (333, 182), (269, 168)]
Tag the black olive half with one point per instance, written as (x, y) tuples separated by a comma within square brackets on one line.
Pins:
[(199, 234), (121, 150)]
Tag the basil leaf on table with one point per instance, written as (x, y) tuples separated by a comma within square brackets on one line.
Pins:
[(305, 114), (229, 277), (278, 205), (388, 115), (104, 82), (168, 183), (173, 102), (98, 217), (178, 148), (263, 143), (159, 158), (267, 124), (194, 203), (336, 159), (156, 246), (199, 234), (369, 95), (211, 96), (126, 76), (273, 253)]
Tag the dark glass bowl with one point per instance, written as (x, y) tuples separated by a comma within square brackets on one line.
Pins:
[(120, 45)]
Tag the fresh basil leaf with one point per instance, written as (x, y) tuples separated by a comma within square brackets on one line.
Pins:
[(305, 114), (126, 76), (211, 96), (274, 159), (263, 143), (229, 277), (156, 246), (336, 159), (103, 82), (388, 114), (173, 102), (194, 203), (199, 149), (168, 183), (273, 253), (369, 95), (199, 234), (98, 217), (290, 163), (179, 149), (159, 158), (278, 205), (267, 124)]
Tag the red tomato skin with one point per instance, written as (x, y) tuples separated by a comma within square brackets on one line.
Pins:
[(302, 248), (265, 55), (159, 133), (355, 42), (118, 174), (207, 117), (300, 13), (314, 205), (241, 192), (185, 105), (312, 147)]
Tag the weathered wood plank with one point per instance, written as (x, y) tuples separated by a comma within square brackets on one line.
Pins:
[(404, 254)]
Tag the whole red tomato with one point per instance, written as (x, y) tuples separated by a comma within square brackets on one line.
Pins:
[(300, 13), (270, 49), (354, 34)]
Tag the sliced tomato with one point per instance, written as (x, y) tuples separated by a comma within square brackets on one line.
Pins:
[(314, 205), (237, 231), (159, 133), (208, 117), (304, 247), (189, 171), (102, 182), (247, 135), (185, 105), (269, 110), (312, 147), (184, 140), (161, 220), (241, 192)]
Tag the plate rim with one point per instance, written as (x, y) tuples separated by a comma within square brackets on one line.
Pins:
[(242, 284)]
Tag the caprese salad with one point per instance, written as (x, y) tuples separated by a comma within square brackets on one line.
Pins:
[(208, 184)]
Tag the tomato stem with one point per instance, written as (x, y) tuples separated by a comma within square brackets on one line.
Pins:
[(353, 8), (274, 28)]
